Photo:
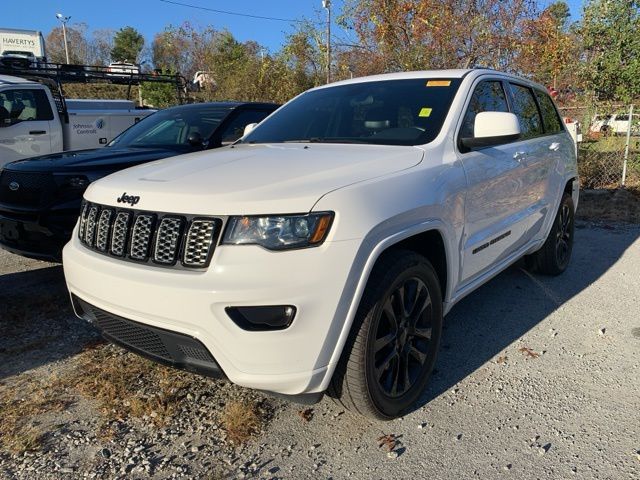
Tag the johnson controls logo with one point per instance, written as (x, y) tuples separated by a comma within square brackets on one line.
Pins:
[(130, 199), (89, 128)]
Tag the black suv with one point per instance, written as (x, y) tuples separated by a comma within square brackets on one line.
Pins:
[(40, 197)]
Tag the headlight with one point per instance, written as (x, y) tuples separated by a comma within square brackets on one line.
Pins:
[(278, 232)]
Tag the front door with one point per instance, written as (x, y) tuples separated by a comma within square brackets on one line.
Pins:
[(495, 217), (25, 124)]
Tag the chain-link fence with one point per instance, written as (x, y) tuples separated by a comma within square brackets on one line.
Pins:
[(609, 153)]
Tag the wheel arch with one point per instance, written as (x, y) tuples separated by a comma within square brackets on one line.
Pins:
[(572, 187), (418, 238)]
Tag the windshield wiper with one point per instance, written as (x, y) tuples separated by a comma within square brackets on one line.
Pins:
[(326, 140)]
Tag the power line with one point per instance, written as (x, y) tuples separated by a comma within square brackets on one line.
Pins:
[(237, 14)]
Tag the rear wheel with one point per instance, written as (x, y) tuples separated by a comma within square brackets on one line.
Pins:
[(394, 341), (553, 258)]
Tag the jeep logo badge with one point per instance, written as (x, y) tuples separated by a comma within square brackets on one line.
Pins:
[(14, 186), (130, 199)]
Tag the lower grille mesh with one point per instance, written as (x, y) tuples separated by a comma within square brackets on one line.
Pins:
[(164, 346), (133, 335)]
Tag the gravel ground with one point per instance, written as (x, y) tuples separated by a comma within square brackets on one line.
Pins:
[(537, 378)]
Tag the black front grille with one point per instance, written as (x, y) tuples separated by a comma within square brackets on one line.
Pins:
[(26, 188), (167, 240), (164, 346)]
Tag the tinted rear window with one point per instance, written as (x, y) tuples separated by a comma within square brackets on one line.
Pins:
[(525, 108), (552, 122)]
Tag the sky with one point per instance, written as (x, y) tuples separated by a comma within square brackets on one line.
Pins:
[(152, 16)]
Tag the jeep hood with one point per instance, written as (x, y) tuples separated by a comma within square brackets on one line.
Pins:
[(252, 179)]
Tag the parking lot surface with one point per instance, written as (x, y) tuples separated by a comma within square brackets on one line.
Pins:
[(538, 377)]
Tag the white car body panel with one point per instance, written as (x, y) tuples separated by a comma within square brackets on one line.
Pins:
[(223, 179), (381, 195)]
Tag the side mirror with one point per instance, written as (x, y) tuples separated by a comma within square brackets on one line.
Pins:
[(195, 139), (249, 128), (493, 128)]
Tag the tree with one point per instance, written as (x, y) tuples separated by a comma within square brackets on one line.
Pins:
[(549, 51), (100, 47), (609, 31), (398, 35), (127, 45), (76, 42)]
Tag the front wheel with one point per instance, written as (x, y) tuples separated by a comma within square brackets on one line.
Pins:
[(394, 341), (553, 258)]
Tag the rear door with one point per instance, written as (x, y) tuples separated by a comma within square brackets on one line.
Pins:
[(539, 155), (25, 123), (495, 219), (556, 146)]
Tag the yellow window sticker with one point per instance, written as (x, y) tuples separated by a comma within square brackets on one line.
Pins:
[(438, 83), (425, 112)]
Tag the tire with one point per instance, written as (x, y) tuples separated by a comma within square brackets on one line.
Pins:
[(554, 256), (370, 377)]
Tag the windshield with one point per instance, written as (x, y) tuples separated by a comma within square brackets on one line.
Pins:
[(390, 112), (172, 127)]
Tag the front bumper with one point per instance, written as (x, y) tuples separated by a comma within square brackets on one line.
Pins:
[(163, 346), (293, 361), (39, 235)]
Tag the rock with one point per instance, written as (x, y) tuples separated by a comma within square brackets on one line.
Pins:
[(507, 466), (544, 449), (602, 331), (392, 454)]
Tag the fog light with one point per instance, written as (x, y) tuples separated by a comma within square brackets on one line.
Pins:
[(268, 317)]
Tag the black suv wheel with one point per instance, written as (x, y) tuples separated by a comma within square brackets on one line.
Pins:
[(394, 341)]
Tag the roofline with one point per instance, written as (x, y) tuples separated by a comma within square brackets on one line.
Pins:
[(418, 74), (13, 80), (19, 30), (227, 104)]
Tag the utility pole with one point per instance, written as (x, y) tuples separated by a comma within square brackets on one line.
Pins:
[(64, 21), (327, 5)]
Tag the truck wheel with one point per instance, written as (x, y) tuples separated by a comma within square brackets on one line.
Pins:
[(392, 348), (553, 258)]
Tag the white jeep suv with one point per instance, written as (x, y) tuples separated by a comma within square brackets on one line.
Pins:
[(320, 252)]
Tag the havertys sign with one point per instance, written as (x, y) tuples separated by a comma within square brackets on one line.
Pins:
[(23, 41)]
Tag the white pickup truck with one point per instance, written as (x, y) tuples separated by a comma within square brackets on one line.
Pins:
[(32, 124)]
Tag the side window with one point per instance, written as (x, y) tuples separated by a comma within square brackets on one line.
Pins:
[(488, 96), (525, 108), (24, 105), (235, 128), (552, 122)]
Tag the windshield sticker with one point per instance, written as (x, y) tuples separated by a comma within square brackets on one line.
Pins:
[(438, 83), (425, 112)]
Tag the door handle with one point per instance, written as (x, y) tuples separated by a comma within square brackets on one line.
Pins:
[(555, 146), (518, 156), (38, 132)]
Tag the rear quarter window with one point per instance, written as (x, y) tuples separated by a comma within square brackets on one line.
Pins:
[(550, 117), (526, 109)]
